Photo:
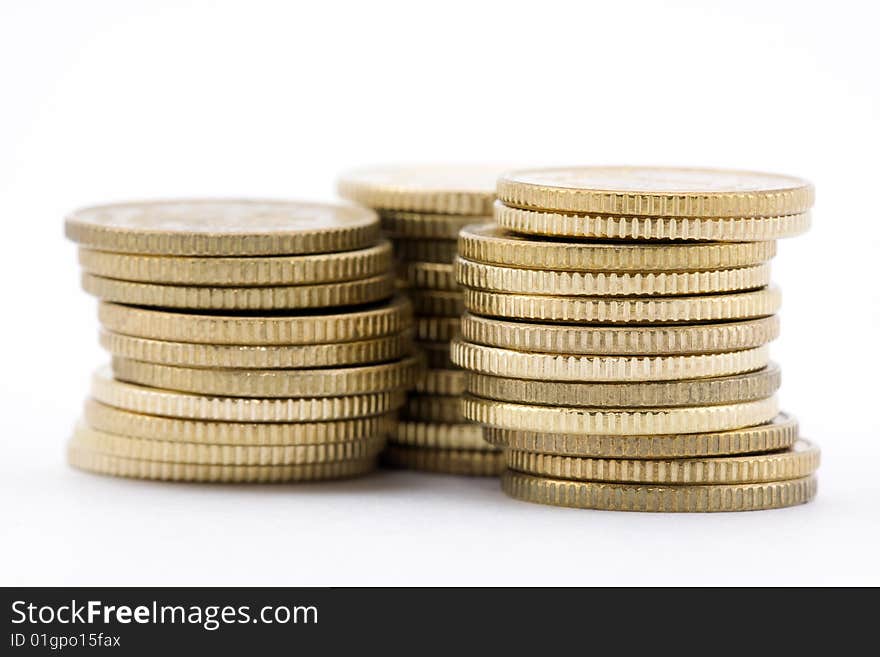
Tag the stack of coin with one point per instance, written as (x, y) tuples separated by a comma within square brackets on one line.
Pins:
[(250, 340), (616, 338), (421, 210)]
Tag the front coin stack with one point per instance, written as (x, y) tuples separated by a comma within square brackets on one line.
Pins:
[(421, 210), (617, 333), (251, 340)]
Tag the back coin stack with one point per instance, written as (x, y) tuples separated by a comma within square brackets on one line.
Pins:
[(616, 338), (250, 340), (421, 211)]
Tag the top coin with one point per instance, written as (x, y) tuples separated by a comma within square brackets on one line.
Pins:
[(223, 227), (465, 189), (656, 192)]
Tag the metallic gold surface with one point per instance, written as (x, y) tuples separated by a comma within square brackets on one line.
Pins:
[(440, 436), (416, 250), (223, 227), (656, 191), (305, 328), (620, 340), (437, 355), (241, 271), (187, 354), (445, 461), (421, 225), (563, 367), (322, 295), (696, 392), (437, 303), (704, 308), (322, 382), (441, 382), (799, 461), (628, 422), (491, 244), (433, 408), (437, 329), (429, 275)]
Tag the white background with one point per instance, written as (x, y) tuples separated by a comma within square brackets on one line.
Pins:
[(104, 101)]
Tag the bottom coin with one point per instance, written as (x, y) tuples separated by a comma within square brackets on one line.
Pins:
[(112, 444), (672, 499), (91, 461), (474, 463)]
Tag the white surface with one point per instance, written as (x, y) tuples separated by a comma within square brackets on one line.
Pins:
[(118, 100)]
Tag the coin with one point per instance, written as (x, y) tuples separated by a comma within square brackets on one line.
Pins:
[(223, 227), (458, 189), (445, 461), (657, 191), (565, 367), (438, 303), (628, 422), (799, 461), (414, 250), (96, 462), (744, 229), (146, 449), (240, 271), (550, 338), (440, 435), (433, 408), (256, 356), (429, 275), (437, 355), (563, 283), (422, 225), (437, 329), (154, 427), (641, 497), (491, 244), (698, 392), (303, 328), (152, 401), (322, 295), (702, 308), (780, 433), (322, 382), (441, 382)]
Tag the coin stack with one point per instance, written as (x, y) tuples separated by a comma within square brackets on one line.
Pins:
[(616, 338), (421, 210), (250, 340)]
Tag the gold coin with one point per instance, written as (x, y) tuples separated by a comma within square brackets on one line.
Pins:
[(445, 461), (657, 192), (440, 436), (702, 308), (138, 425), (322, 382), (622, 340), (305, 328), (623, 421), (780, 433), (433, 408), (96, 462), (153, 401), (241, 271), (190, 354), (563, 367), (648, 497), (413, 250), (744, 229), (146, 449), (799, 461), (223, 227), (429, 275), (458, 189), (491, 244), (420, 225), (563, 283), (322, 295), (441, 382), (437, 303), (437, 329), (698, 392), (437, 355)]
